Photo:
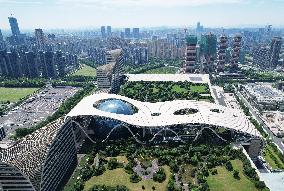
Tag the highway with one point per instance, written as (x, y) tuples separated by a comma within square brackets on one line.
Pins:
[(274, 139)]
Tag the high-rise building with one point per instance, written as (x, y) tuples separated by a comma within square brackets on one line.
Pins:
[(237, 44), (223, 45), (1, 36), (189, 65), (17, 38), (40, 40), (127, 33), (2, 45), (14, 61), (199, 28), (261, 56), (136, 33), (31, 65), (208, 48), (14, 26), (60, 61), (103, 31), (49, 64), (5, 67), (108, 31), (275, 48), (109, 75)]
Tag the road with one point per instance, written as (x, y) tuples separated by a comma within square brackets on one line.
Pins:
[(275, 139)]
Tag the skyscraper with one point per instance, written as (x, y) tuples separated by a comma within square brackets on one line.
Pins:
[(199, 28), (208, 48), (127, 33), (261, 56), (103, 31), (14, 60), (223, 45), (189, 64), (237, 44), (40, 40), (275, 48), (1, 37), (108, 31), (2, 46), (136, 34), (14, 26)]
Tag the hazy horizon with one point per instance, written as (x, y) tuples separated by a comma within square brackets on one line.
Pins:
[(87, 14)]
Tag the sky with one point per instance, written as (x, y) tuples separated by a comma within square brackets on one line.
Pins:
[(76, 14)]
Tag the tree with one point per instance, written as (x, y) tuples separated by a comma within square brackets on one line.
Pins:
[(134, 178), (112, 164), (229, 166), (260, 185), (160, 175), (214, 172), (236, 174), (78, 186), (86, 173), (174, 166)]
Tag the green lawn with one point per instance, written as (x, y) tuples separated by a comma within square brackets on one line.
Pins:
[(165, 91), (15, 94), (186, 175), (224, 180), (178, 89), (162, 70), (86, 71), (120, 177), (272, 158), (199, 89)]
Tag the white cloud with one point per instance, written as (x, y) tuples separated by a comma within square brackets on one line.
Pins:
[(22, 2), (149, 3)]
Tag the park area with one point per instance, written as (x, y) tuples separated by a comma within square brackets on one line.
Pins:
[(165, 91), (126, 166), (15, 94), (120, 177), (85, 70), (225, 181)]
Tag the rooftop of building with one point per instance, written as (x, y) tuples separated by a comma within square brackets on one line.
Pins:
[(165, 113)]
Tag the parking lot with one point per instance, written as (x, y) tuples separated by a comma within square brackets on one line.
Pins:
[(35, 109)]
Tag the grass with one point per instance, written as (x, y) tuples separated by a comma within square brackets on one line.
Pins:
[(120, 177), (86, 71), (120, 159), (272, 158), (198, 89), (163, 70), (15, 94), (165, 91), (73, 178), (178, 89), (186, 175), (224, 180)]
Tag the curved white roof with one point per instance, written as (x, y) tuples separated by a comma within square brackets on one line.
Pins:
[(227, 117)]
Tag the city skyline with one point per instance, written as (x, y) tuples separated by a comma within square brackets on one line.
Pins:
[(75, 14)]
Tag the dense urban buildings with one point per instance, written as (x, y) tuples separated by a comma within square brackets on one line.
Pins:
[(36, 64), (155, 108)]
